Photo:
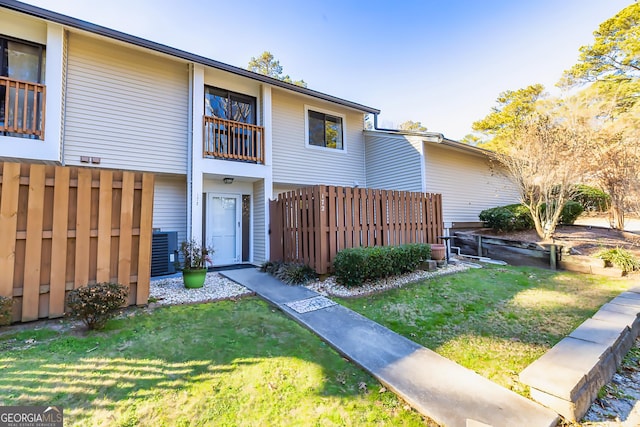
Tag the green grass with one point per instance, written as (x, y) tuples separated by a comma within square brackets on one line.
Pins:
[(224, 364), (495, 320)]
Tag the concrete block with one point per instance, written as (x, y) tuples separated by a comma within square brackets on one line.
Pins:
[(607, 313), (631, 295), (428, 265), (564, 407), (630, 302), (599, 331), (560, 381)]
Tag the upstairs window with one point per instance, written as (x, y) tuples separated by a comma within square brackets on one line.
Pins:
[(229, 105), (325, 129), (21, 88)]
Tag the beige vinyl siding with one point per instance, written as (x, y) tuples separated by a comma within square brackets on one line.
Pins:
[(393, 162), (295, 163), (467, 183), (259, 222), (170, 204), (125, 106)]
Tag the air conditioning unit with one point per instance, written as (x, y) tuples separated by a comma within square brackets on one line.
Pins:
[(164, 252)]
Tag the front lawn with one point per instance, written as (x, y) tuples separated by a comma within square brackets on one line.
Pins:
[(225, 364), (495, 320)]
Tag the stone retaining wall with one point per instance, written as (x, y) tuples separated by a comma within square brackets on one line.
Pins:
[(568, 377)]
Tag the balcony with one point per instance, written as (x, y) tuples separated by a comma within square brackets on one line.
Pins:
[(229, 140), (22, 108)]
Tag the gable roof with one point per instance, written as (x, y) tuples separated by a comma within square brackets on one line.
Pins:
[(158, 47)]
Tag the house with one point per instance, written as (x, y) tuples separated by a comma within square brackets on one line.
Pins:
[(428, 162), (221, 140)]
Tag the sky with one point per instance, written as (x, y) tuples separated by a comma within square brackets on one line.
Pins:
[(442, 63)]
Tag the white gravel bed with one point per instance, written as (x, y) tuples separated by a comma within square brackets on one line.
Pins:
[(330, 288), (172, 291)]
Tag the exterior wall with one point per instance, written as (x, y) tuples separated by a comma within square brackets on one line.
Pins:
[(52, 36), (125, 106), (169, 204), (295, 163), (260, 241), (393, 162), (466, 183)]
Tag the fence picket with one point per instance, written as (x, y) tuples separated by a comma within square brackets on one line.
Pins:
[(33, 246), (8, 225), (59, 238), (103, 268)]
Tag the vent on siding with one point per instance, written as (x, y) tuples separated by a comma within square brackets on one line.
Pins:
[(164, 247)]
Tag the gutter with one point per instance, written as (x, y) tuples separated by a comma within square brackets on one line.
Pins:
[(429, 136)]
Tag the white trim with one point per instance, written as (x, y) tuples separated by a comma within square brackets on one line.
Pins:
[(48, 149), (331, 113)]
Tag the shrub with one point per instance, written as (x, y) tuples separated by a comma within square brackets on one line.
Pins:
[(355, 265), (6, 306), (570, 212), (95, 304), (621, 258), (592, 199), (296, 274), (507, 218), (350, 266), (291, 273)]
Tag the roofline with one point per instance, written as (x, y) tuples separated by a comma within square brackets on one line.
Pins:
[(158, 47), (435, 138)]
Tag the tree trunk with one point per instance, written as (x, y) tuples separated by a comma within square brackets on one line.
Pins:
[(616, 217)]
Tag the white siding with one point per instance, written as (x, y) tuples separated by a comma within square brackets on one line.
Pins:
[(467, 183), (394, 162), (259, 222), (294, 163), (170, 204), (125, 106)]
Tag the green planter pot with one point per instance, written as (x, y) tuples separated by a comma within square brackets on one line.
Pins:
[(194, 278)]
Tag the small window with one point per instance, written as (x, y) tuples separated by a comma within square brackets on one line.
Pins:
[(325, 129)]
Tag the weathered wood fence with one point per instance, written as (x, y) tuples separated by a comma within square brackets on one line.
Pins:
[(62, 228), (312, 224)]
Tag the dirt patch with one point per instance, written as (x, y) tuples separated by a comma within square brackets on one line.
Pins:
[(583, 240)]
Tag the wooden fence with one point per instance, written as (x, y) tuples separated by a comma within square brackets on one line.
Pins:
[(311, 225), (62, 228)]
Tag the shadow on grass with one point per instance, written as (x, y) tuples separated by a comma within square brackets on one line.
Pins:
[(223, 363)]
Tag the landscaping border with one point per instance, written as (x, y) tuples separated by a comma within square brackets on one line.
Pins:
[(568, 377)]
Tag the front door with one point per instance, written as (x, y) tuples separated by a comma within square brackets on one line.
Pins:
[(223, 228)]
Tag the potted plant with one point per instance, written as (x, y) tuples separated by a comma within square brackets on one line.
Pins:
[(195, 257)]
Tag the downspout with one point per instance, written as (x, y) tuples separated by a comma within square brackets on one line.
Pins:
[(190, 153)]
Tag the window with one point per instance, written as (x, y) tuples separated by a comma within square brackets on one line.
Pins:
[(23, 61), (228, 105), (325, 129)]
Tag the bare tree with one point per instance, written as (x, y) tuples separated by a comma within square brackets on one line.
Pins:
[(541, 160)]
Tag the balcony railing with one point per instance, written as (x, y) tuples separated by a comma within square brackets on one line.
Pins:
[(226, 139), (21, 108)]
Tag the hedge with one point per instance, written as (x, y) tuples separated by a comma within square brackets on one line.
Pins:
[(354, 266)]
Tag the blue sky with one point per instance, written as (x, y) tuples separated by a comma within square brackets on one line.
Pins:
[(442, 63)]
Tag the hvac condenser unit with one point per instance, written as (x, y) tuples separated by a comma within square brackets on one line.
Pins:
[(164, 252)]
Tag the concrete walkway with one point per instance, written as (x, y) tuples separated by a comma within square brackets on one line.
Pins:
[(436, 387)]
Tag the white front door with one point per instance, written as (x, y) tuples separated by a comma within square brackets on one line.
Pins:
[(223, 228)]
